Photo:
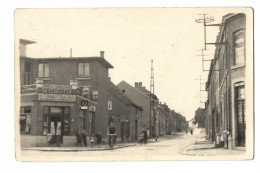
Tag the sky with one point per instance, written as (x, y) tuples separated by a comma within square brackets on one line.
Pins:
[(131, 37)]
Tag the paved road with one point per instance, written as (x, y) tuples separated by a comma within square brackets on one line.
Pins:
[(166, 149)]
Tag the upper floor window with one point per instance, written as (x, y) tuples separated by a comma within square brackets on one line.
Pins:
[(83, 69), (43, 70), (239, 47)]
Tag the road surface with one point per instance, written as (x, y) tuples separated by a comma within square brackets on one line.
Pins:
[(169, 148)]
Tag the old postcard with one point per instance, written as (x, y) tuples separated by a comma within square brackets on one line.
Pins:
[(134, 84)]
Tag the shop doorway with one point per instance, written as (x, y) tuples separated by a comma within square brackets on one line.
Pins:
[(240, 112), (56, 121)]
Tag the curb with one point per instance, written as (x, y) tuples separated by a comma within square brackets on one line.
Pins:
[(76, 150)]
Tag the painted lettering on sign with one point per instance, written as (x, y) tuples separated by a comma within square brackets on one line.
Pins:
[(56, 89), (56, 97)]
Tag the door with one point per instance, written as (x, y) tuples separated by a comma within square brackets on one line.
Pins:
[(56, 122), (136, 130), (240, 112)]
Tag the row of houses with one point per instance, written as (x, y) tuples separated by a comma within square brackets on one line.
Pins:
[(225, 108), (66, 94)]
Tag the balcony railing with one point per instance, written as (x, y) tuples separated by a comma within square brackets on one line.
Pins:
[(28, 89)]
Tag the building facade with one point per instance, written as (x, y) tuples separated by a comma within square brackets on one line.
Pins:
[(225, 108), (125, 114), (61, 96)]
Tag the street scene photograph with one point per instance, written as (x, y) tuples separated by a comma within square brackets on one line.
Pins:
[(134, 84)]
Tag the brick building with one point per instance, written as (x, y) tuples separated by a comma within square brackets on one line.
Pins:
[(62, 95), (125, 114), (225, 108), (140, 99)]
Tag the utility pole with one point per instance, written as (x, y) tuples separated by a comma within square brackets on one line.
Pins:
[(201, 90), (152, 114)]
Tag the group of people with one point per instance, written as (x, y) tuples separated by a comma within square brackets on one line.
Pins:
[(82, 137), (191, 131)]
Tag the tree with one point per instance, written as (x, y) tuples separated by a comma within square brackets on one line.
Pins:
[(200, 117)]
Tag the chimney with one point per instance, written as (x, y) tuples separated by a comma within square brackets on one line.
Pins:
[(140, 84), (102, 54), (136, 84)]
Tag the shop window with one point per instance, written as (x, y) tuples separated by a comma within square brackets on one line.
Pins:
[(83, 69), (43, 70), (25, 120), (239, 48)]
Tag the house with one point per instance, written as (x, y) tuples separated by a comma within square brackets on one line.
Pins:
[(62, 95), (125, 114), (140, 99)]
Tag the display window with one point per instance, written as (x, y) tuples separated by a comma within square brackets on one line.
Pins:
[(25, 120)]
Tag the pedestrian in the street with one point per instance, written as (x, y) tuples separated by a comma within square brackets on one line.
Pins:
[(191, 131), (186, 131), (78, 137), (84, 137), (145, 135)]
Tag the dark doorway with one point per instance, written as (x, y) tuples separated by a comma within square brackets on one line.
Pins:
[(240, 113)]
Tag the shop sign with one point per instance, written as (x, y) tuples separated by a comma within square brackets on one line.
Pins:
[(84, 104), (73, 82), (123, 119), (110, 105), (56, 97), (92, 108), (56, 89), (95, 94)]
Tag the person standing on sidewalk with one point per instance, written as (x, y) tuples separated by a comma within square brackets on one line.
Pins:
[(84, 137), (112, 134), (78, 137), (145, 135)]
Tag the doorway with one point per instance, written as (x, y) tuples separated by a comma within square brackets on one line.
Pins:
[(240, 115), (56, 121)]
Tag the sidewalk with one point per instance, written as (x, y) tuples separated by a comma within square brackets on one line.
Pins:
[(82, 148), (202, 147), (103, 146)]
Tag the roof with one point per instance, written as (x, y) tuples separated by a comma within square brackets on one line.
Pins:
[(23, 41), (127, 84), (99, 59), (121, 96)]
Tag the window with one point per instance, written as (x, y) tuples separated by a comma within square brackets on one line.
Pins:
[(83, 69), (27, 74), (239, 47), (43, 70), (25, 120)]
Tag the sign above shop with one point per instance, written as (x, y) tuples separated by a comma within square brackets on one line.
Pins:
[(92, 108), (56, 89), (84, 104), (56, 97)]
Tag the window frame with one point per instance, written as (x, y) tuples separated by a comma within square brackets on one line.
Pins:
[(83, 68), (43, 70), (234, 47)]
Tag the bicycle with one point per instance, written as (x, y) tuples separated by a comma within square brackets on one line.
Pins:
[(111, 141)]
